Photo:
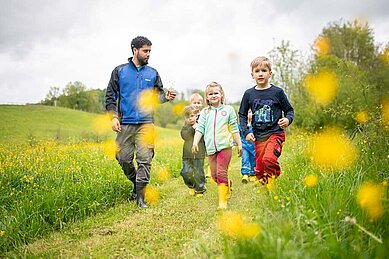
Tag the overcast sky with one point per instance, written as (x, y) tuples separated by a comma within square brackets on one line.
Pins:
[(45, 43)]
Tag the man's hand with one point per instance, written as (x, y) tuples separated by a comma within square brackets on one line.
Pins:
[(250, 137), (171, 94), (283, 123), (116, 125)]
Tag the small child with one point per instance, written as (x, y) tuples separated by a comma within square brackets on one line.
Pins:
[(192, 165), (272, 113), (248, 154), (218, 124), (197, 101)]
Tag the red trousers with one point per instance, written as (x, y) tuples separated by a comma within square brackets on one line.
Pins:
[(266, 157), (218, 163)]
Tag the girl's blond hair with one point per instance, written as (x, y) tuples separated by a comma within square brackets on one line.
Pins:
[(194, 96), (214, 84), (261, 61)]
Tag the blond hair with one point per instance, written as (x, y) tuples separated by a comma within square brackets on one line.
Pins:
[(264, 61), (194, 96), (188, 110), (214, 84)]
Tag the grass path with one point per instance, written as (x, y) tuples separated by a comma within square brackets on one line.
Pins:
[(178, 226)]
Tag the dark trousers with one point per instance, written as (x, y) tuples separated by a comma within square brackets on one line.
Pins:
[(138, 140), (193, 173)]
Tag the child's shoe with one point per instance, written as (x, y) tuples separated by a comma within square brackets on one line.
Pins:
[(222, 191), (229, 189), (252, 178), (192, 192), (199, 195), (245, 179)]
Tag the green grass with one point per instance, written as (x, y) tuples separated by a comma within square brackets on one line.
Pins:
[(296, 221), (28, 123)]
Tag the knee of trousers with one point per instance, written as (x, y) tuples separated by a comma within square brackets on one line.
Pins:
[(270, 162)]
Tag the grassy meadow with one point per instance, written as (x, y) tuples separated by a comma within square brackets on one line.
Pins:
[(66, 197)]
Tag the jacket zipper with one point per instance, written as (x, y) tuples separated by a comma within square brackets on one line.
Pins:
[(214, 131)]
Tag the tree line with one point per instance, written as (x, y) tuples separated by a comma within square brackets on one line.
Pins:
[(344, 54)]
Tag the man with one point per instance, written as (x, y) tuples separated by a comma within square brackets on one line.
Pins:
[(130, 99)]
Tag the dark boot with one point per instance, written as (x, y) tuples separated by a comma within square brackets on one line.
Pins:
[(140, 195), (133, 193)]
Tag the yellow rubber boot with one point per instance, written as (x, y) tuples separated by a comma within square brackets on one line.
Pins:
[(229, 190), (223, 191)]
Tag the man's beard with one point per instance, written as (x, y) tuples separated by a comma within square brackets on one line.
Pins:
[(142, 61)]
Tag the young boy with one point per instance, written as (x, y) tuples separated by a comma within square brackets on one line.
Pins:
[(272, 113), (248, 155), (192, 165), (197, 101)]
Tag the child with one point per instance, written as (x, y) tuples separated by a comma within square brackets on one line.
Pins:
[(192, 165), (248, 154), (197, 101), (218, 124), (272, 113)]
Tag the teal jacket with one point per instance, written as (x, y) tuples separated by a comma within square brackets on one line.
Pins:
[(217, 126)]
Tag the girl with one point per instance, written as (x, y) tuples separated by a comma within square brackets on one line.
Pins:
[(218, 124)]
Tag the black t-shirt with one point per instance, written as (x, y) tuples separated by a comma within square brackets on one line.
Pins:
[(268, 106)]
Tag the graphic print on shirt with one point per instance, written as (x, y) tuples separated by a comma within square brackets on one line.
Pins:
[(263, 114)]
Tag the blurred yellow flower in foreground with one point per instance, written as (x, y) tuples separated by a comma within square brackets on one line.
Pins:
[(330, 149), (385, 112), (234, 224), (163, 174), (178, 109), (322, 45), (109, 148), (148, 100), (322, 87), (370, 198), (101, 125), (361, 117), (311, 180), (148, 134), (152, 196)]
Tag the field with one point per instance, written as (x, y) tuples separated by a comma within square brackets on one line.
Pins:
[(65, 196)]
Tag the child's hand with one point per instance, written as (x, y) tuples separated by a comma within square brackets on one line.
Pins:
[(240, 150), (283, 123), (195, 149), (250, 137)]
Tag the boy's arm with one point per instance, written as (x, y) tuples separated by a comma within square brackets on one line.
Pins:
[(196, 139), (288, 111), (243, 111), (187, 132)]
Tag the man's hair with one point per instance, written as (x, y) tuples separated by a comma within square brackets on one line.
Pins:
[(139, 41), (188, 110), (261, 61), (215, 84), (194, 96)]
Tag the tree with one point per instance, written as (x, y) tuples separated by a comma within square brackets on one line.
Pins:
[(286, 67), (352, 41)]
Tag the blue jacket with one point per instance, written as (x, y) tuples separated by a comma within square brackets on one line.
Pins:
[(124, 90)]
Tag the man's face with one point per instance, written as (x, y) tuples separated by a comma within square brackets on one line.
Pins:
[(142, 55)]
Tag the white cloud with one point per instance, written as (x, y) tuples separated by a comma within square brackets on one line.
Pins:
[(50, 43)]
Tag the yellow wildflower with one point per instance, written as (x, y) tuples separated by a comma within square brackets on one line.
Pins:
[(311, 180)]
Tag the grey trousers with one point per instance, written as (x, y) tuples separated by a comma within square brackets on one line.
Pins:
[(136, 139)]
